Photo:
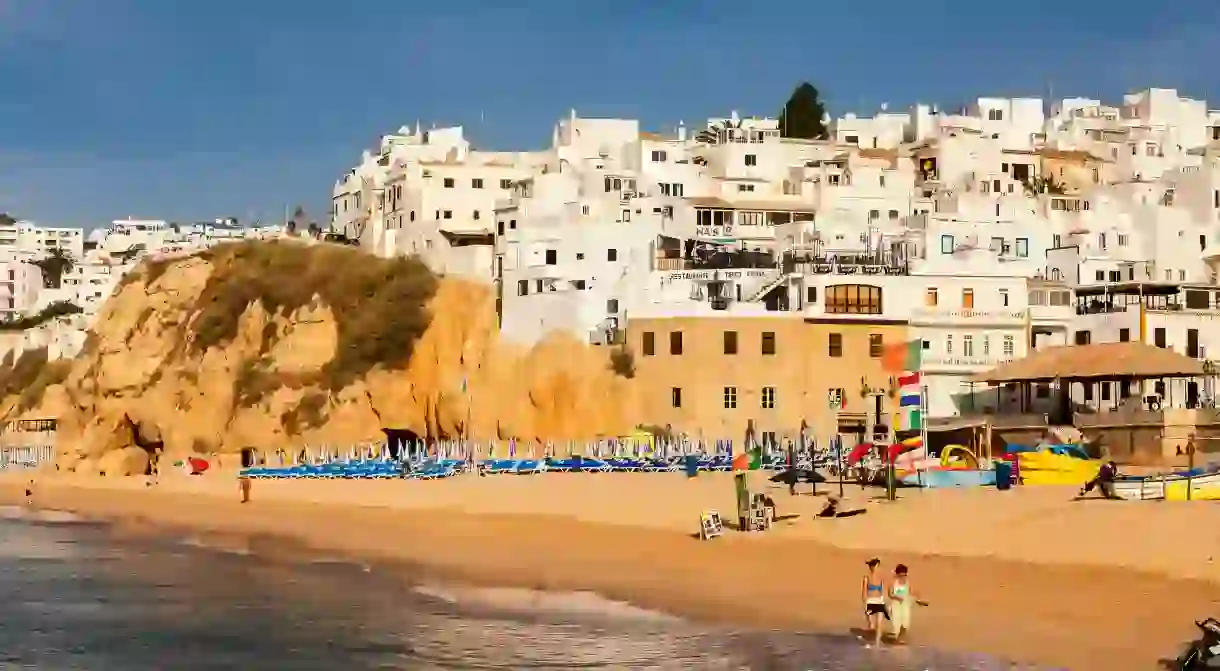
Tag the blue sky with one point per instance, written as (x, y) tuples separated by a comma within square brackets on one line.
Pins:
[(186, 109)]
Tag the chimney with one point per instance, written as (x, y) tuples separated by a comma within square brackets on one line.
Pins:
[(681, 131)]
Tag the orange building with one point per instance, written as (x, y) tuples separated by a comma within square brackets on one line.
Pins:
[(710, 376)]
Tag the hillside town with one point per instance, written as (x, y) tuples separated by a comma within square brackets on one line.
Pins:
[(986, 233)]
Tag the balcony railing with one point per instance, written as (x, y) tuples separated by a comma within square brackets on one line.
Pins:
[(840, 268), (720, 261)]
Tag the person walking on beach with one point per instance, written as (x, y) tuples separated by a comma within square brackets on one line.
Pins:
[(872, 592), (901, 603), (243, 480)]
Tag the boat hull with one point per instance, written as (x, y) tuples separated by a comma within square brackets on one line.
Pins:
[(1172, 487)]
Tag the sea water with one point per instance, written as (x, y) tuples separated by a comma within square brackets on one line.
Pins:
[(74, 595)]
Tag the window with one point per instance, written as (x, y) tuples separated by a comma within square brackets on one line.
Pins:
[(675, 397), (730, 342), (476, 183), (986, 345), (1198, 299), (447, 214), (949, 344), (835, 345), (612, 306), (1124, 335), (675, 343), (552, 257), (1009, 346), (751, 159), (1158, 337), (476, 215), (862, 299), (1083, 337), (893, 215), (995, 115), (1056, 241), (1105, 391), (946, 244), (730, 398), (874, 345), (1122, 239), (1088, 393), (649, 344), (768, 398), (967, 345), (1192, 343), (538, 286), (1023, 247), (968, 298), (768, 343), (612, 255), (1100, 275), (811, 294), (874, 215), (997, 244), (930, 297), (506, 184), (745, 187), (448, 182), (1004, 297), (851, 139), (658, 156), (523, 287)]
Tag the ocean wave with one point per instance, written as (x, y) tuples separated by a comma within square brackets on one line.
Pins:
[(19, 514), (542, 602)]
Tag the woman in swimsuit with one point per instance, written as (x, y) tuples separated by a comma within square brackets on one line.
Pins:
[(901, 603), (872, 590)]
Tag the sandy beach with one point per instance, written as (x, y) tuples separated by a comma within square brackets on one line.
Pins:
[(1026, 574)]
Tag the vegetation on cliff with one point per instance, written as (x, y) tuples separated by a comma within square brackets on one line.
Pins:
[(29, 374), (380, 305), (53, 311)]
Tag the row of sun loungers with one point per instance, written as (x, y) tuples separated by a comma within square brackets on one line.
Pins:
[(443, 468)]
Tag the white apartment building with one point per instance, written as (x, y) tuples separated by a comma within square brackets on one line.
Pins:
[(20, 285), (25, 239)]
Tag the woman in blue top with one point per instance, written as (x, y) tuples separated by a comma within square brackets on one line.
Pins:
[(872, 591)]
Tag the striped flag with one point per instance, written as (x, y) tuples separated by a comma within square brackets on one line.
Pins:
[(906, 360)]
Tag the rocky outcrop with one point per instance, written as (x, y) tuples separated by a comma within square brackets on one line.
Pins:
[(276, 345)]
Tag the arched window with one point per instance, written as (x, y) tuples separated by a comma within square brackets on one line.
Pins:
[(856, 299)]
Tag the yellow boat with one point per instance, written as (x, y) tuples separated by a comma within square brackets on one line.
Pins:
[(1048, 468)]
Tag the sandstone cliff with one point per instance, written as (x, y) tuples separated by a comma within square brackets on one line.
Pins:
[(278, 345)]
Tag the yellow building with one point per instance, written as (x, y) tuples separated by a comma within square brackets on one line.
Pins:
[(710, 376)]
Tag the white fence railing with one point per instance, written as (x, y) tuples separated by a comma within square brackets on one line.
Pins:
[(26, 456)]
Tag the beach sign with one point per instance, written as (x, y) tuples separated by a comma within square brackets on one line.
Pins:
[(710, 525)]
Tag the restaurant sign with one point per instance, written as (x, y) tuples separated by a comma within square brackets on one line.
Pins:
[(716, 274)]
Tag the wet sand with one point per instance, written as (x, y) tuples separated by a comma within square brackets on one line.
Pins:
[(1026, 574)]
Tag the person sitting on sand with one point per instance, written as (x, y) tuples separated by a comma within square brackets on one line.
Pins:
[(901, 604), (1103, 481), (872, 591)]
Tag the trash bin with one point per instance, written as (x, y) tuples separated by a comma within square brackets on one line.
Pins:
[(692, 465), (1003, 475)]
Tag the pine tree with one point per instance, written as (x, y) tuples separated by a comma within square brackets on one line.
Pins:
[(803, 113)]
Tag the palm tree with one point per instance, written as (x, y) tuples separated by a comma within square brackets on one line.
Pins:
[(54, 266)]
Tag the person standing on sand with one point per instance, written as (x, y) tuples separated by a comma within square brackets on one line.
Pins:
[(243, 480), (872, 592), (901, 604)]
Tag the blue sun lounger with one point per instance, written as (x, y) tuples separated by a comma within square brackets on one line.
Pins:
[(530, 467), (499, 466)]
